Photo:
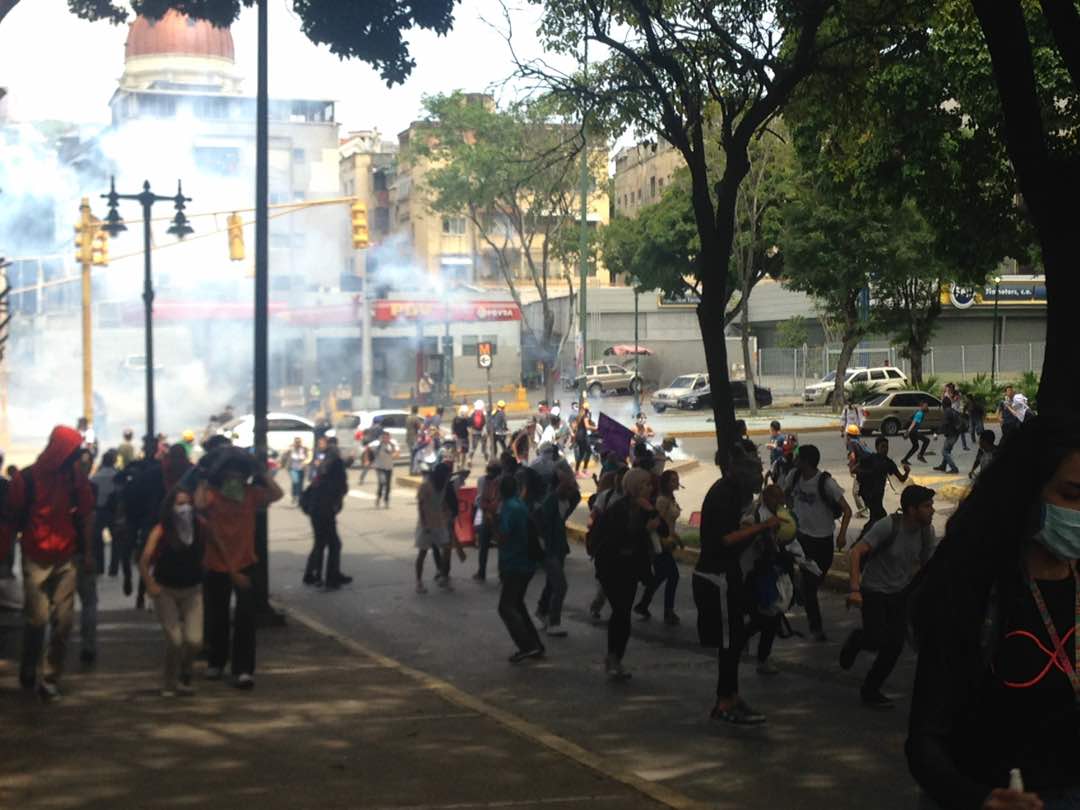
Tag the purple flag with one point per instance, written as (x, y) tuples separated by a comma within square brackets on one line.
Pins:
[(615, 435)]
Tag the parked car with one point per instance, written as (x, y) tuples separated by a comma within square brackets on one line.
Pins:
[(882, 378), (281, 430), (607, 378), (890, 413), (682, 386), (359, 427), (703, 398)]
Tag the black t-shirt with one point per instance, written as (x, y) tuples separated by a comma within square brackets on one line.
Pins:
[(721, 514), (179, 566), (872, 472), (460, 427)]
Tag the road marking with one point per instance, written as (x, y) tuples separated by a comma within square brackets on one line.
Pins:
[(359, 493), (658, 792)]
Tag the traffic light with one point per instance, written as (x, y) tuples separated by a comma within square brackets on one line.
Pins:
[(236, 237), (359, 225), (84, 234), (100, 251)]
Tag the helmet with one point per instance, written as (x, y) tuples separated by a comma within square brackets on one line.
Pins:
[(787, 529), (790, 445), (556, 410), (500, 404), (478, 405), (853, 430), (189, 435)]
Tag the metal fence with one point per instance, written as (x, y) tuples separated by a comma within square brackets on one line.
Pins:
[(789, 371)]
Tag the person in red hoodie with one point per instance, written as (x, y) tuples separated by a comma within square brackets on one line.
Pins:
[(54, 498)]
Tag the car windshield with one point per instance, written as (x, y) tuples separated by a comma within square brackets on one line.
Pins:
[(877, 399), (682, 382), (233, 423), (829, 377)]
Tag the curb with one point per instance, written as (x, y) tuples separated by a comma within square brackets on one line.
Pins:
[(658, 792), (414, 481), (709, 434)]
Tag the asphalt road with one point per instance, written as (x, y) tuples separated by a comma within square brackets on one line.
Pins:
[(820, 748)]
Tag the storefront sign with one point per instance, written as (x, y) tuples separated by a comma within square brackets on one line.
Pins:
[(389, 310), (1008, 293)]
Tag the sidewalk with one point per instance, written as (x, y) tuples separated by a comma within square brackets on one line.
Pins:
[(328, 726)]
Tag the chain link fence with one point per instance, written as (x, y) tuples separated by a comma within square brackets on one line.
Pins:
[(788, 371)]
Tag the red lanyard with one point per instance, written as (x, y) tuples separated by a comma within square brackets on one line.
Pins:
[(1070, 667)]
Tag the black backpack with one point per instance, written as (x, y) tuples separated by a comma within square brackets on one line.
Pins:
[(834, 506)]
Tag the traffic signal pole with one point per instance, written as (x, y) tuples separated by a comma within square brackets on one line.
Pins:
[(86, 233)]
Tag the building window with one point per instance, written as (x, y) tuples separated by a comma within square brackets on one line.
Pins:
[(652, 187), (453, 226), (660, 182), (639, 195)]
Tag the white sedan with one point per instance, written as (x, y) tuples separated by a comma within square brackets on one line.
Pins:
[(281, 430)]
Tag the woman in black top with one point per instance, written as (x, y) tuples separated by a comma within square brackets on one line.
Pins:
[(172, 568), (718, 584), (997, 616)]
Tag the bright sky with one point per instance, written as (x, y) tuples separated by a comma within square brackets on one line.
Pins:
[(57, 66)]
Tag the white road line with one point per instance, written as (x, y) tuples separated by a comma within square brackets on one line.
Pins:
[(359, 493)]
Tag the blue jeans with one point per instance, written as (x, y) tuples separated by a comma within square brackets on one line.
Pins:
[(483, 543), (554, 593), (297, 477), (947, 460)]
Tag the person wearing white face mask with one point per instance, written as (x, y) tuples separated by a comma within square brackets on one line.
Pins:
[(996, 617), (172, 568)]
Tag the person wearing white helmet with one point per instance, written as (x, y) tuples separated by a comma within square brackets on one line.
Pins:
[(460, 429), (477, 424)]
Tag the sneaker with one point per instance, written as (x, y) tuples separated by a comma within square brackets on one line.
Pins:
[(739, 714), (939, 468), (615, 670), (819, 636), (767, 668), (48, 692), (875, 700), (337, 582), (556, 631), (642, 611), (184, 687), (127, 586), (421, 588), (168, 693), (671, 618), (541, 619), (244, 681), (478, 577), (213, 674), (312, 579), (522, 655), (849, 651), (444, 583)]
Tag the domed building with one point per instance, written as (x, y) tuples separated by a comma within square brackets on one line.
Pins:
[(179, 53)]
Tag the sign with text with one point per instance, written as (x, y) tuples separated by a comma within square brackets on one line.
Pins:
[(391, 310), (483, 354)]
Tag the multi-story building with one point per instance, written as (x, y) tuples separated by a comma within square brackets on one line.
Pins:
[(367, 166), (642, 172)]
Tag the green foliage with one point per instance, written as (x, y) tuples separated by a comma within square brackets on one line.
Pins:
[(860, 391), (930, 384), (982, 390), (372, 30), (792, 333), (1028, 385)]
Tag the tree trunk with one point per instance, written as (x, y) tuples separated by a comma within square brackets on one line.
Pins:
[(915, 357), (546, 364), (549, 382), (711, 322), (847, 348), (751, 399)]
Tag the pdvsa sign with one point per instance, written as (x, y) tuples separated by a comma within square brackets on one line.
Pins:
[(961, 297)]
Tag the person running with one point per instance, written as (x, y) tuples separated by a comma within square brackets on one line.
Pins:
[(413, 425), (817, 501), (718, 583), (172, 567), (665, 569), (985, 454), (783, 465), (55, 505), (516, 567), (560, 499), (951, 429), (856, 451), (960, 405), (995, 614), (622, 561), (1009, 420), (325, 499), (976, 413), (873, 473), (477, 428), (433, 520), (583, 450), (297, 460), (919, 440), (487, 509), (234, 489), (608, 491), (883, 564), (383, 453), (850, 415), (775, 444), (768, 565)]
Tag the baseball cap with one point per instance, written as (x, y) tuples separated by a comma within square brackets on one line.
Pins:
[(915, 495)]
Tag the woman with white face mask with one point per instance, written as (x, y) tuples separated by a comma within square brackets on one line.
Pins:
[(995, 715), (172, 568)]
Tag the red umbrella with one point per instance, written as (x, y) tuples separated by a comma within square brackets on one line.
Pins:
[(625, 349)]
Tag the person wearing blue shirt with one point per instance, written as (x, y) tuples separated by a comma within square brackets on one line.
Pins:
[(919, 440), (516, 570)]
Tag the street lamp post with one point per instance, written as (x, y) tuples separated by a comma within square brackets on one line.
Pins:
[(994, 345), (636, 386), (114, 225)]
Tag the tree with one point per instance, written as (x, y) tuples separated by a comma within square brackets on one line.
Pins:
[(513, 174), (693, 72), (1026, 44), (792, 333), (371, 30)]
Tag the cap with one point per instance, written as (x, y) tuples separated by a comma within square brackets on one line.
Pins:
[(915, 495), (501, 403), (853, 430)]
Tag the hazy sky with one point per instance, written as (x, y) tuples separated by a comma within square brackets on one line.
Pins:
[(59, 67)]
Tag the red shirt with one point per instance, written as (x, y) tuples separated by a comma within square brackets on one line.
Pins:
[(233, 526)]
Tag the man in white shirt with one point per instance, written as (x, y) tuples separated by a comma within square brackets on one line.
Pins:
[(383, 453)]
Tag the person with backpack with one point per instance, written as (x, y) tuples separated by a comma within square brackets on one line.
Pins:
[(856, 451), (383, 453), (487, 509), (459, 429), (665, 569), (517, 566), (818, 501), (951, 430), (433, 521), (323, 500), (919, 440), (477, 434), (872, 471), (608, 491), (849, 416), (53, 506), (560, 499), (583, 426), (883, 564), (719, 586), (984, 454), (995, 710)]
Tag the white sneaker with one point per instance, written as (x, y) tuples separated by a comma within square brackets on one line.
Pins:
[(244, 681), (168, 693), (185, 689)]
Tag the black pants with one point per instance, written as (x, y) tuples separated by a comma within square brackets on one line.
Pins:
[(483, 544), (721, 624), (324, 525), (218, 591), (665, 570), (919, 442), (499, 444), (620, 586), (383, 490), (875, 502), (820, 550), (884, 628), (584, 454), (767, 626), (515, 615), (119, 551)]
